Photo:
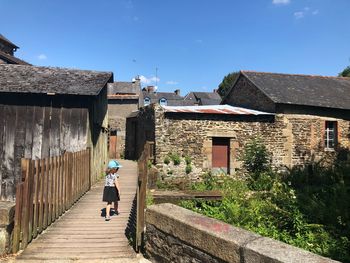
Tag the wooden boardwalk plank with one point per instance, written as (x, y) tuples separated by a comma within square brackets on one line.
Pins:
[(82, 233)]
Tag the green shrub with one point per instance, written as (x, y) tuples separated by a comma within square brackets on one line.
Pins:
[(188, 168), (149, 199), (308, 207), (149, 164), (166, 160), (188, 160), (175, 157), (255, 157), (161, 184)]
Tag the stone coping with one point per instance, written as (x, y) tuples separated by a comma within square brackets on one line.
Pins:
[(224, 241)]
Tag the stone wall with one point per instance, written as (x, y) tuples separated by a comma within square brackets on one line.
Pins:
[(292, 139), (246, 95), (7, 213), (175, 234), (118, 110), (139, 129)]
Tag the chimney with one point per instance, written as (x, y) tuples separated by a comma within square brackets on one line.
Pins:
[(215, 90), (177, 92), (150, 89), (136, 79)]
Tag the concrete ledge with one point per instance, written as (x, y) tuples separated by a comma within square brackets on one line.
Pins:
[(199, 235)]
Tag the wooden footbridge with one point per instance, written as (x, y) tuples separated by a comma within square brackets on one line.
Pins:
[(82, 234)]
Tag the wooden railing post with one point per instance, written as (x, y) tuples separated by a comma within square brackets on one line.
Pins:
[(49, 187), (146, 156)]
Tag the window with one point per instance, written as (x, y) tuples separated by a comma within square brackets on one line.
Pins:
[(330, 136), (163, 102), (147, 101)]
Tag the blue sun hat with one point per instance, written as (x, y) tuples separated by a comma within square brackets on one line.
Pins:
[(113, 164)]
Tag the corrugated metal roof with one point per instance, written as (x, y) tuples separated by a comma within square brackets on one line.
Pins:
[(214, 109)]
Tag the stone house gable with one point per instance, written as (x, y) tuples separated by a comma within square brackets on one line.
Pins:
[(245, 94)]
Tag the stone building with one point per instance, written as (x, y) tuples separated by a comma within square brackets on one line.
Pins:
[(299, 118), (123, 99), (7, 50)]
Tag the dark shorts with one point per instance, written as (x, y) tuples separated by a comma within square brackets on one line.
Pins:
[(110, 194)]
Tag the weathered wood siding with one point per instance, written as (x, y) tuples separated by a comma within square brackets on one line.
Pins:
[(39, 126), (98, 135)]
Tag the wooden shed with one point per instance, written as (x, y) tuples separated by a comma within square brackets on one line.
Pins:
[(47, 111)]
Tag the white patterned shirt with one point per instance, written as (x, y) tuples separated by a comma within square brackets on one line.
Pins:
[(110, 178)]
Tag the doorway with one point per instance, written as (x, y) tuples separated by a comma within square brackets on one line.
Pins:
[(221, 154)]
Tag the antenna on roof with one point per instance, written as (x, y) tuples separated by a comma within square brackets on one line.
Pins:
[(156, 76)]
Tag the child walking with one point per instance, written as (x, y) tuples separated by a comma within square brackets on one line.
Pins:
[(111, 191)]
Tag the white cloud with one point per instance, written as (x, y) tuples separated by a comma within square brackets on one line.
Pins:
[(299, 14), (147, 81), (42, 57), (172, 82), (281, 2), (306, 11)]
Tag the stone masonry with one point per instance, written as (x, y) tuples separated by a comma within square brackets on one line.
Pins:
[(291, 139), (175, 234)]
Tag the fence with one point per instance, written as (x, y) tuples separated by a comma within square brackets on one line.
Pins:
[(146, 156), (49, 187)]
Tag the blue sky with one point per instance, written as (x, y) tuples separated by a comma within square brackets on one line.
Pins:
[(193, 43)]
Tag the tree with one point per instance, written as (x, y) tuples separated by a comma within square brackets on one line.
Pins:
[(227, 83), (345, 72)]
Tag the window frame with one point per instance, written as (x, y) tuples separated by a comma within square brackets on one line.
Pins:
[(330, 135), (164, 101), (148, 100)]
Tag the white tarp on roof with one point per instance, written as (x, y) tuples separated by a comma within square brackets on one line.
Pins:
[(214, 109)]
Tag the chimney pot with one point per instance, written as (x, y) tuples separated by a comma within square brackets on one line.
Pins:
[(150, 89), (177, 92)]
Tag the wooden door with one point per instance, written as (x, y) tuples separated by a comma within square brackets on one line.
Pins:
[(221, 154), (112, 146)]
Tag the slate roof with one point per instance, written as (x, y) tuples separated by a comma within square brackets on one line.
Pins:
[(120, 87), (172, 98), (309, 90), (204, 98), (11, 59), (30, 79), (7, 41)]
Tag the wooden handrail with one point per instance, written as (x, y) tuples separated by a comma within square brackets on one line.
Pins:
[(49, 187), (146, 156)]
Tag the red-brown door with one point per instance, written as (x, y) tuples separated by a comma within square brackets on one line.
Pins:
[(112, 146), (221, 154)]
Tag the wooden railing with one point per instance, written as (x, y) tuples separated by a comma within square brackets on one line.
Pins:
[(146, 156), (49, 187)]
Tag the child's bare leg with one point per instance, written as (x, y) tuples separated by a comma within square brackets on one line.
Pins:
[(108, 209), (116, 207)]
